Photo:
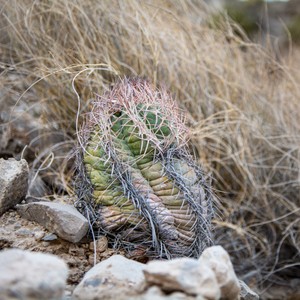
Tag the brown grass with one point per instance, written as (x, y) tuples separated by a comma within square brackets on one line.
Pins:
[(242, 105)]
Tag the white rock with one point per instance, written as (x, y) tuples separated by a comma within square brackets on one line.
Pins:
[(114, 278), (246, 292), (31, 276), (218, 260), (154, 293), (63, 219), (13, 182), (184, 275)]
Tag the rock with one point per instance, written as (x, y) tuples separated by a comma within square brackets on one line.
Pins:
[(154, 293), (13, 182), (246, 293), (38, 235), (218, 260), (101, 244), (114, 278), (184, 275), (24, 232), (76, 251), (28, 275), (49, 237), (63, 219)]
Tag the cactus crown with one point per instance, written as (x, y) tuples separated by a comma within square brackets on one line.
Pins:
[(136, 181)]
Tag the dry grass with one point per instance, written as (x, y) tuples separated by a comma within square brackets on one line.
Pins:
[(242, 105)]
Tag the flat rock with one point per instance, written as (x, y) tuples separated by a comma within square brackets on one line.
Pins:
[(13, 182), (217, 259), (114, 278), (62, 219), (183, 275), (246, 293), (31, 276)]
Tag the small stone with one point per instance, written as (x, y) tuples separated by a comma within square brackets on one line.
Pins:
[(76, 251), (24, 232), (218, 260), (101, 244), (38, 235), (17, 226), (184, 275), (91, 259), (50, 237), (116, 274), (246, 292), (11, 221), (29, 275), (13, 182), (63, 219)]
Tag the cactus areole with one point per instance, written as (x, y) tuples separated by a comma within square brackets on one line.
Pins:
[(136, 181)]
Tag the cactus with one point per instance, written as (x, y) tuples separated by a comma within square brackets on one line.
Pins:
[(136, 181)]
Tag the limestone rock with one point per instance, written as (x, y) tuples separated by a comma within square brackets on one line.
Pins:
[(13, 182), (183, 275), (31, 276), (246, 292), (114, 278), (217, 259), (63, 219)]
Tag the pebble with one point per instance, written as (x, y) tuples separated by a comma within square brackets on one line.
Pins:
[(101, 244), (24, 232), (17, 226), (49, 237), (38, 235)]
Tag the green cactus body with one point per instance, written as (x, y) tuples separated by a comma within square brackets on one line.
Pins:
[(143, 185)]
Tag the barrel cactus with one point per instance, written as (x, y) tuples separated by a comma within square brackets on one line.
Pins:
[(136, 181)]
